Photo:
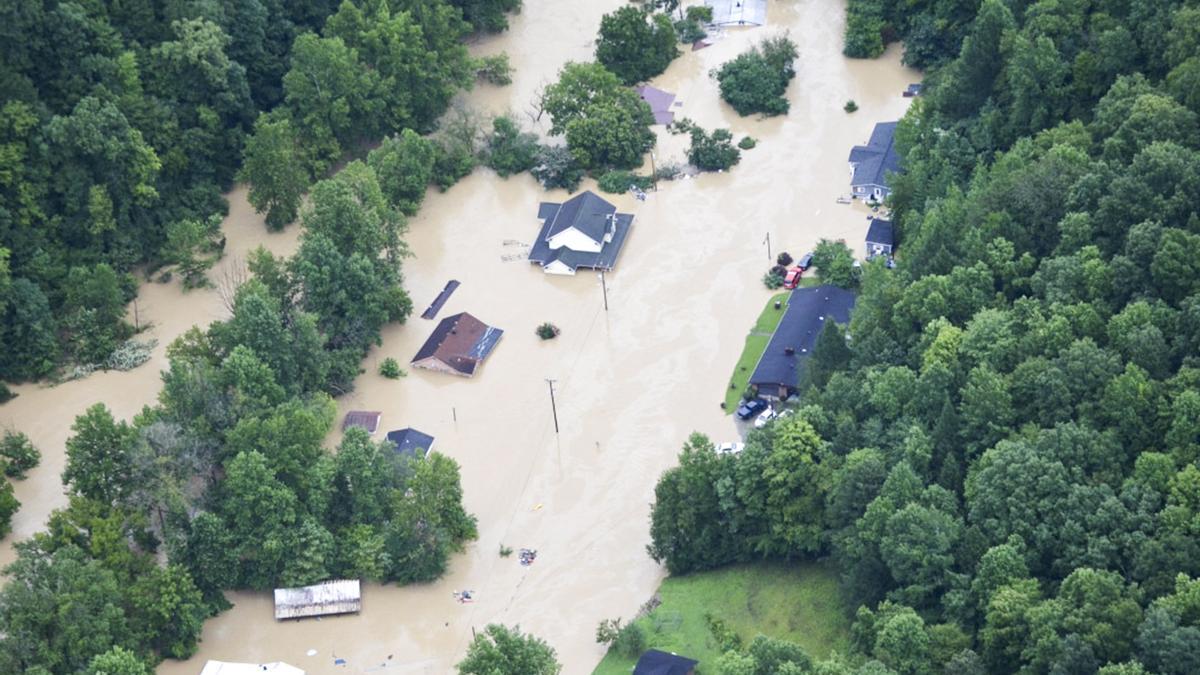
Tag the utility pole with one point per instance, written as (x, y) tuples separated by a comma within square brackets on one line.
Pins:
[(768, 242), (604, 287), (553, 408)]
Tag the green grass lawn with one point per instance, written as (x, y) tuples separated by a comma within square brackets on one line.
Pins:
[(800, 603), (756, 343)]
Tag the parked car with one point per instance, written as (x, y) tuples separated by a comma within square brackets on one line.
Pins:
[(792, 278), (730, 448), (804, 262), (764, 417), (750, 408)]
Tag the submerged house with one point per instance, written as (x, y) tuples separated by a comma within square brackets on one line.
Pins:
[(660, 103), (410, 442), (777, 374), (870, 164), (880, 238), (738, 12), (584, 231), (363, 419), (331, 597), (655, 662), (458, 345), (228, 668)]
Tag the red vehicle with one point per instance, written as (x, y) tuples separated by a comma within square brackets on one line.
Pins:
[(792, 278)]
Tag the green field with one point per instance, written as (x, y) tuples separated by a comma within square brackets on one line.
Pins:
[(800, 603), (756, 343)]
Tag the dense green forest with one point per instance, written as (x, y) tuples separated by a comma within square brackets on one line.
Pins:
[(1000, 452), (122, 125)]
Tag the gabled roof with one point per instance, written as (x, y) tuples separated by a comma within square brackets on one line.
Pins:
[(738, 12), (873, 161), (802, 322), (585, 212), (460, 341), (365, 419), (654, 662), (659, 101), (606, 259), (880, 232), (408, 441)]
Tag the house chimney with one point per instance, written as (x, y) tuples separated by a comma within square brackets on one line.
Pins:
[(789, 351)]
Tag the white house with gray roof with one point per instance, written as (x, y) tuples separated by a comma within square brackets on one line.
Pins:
[(584, 231), (871, 164)]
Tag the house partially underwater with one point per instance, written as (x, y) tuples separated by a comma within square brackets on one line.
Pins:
[(584, 231), (870, 164), (458, 345)]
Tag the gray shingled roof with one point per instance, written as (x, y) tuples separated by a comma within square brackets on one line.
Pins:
[(408, 441), (873, 161), (802, 323), (655, 662), (585, 212), (880, 232)]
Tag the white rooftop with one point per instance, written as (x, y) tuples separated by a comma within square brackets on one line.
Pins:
[(226, 668), (738, 12)]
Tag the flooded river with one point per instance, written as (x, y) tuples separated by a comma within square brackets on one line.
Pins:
[(630, 383)]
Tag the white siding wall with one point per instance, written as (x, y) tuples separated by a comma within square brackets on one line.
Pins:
[(574, 240)]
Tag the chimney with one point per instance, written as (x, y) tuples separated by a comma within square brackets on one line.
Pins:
[(789, 351)]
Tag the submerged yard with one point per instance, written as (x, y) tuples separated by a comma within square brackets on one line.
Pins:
[(800, 603)]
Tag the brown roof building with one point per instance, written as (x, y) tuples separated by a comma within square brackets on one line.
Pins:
[(458, 345)]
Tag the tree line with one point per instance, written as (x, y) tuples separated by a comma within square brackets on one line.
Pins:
[(1002, 457), (122, 124)]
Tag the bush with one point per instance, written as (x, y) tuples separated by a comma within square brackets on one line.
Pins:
[(850, 106), (505, 551), (756, 81), (547, 331), (510, 150), (668, 171), (700, 13), (390, 368), (130, 354), (747, 143), (689, 31), (8, 507), (6, 393), (618, 182), (555, 167), (713, 152), (834, 263), (772, 280), (628, 641), (494, 69), (18, 454), (783, 259)]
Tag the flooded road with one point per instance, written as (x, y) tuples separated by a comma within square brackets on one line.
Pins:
[(631, 383)]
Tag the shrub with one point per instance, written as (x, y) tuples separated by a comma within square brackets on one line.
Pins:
[(510, 150), (555, 167), (18, 453), (8, 507), (700, 13), (547, 331), (130, 354), (834, 263), (772, 280), (618, 182), (505, 551), (850, 106), (783, 259), (6, 393), (390, 368), (494, 69), (756, 81), (747, 143), (668, 171), (628, 641), (713, 152)]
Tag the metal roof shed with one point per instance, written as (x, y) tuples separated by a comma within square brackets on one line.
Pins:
[(331, 597)]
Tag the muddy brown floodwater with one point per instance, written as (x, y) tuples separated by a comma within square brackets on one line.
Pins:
[(631, 383)]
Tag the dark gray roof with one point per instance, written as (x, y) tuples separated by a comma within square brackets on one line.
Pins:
[(880, 232), (585, 212), (408, 441), (802, 322), (873, 161), (654, 662), (542, 254)]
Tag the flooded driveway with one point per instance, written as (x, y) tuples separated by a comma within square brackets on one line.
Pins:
[(631, 383)]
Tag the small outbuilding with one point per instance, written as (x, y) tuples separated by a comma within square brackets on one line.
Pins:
[(411, 443), (228, 668), (458, 345), (870, 164), (343, 596), (777, 374), (660, 103), (880, 239), (363, 419), (655, 662), (584, 231)]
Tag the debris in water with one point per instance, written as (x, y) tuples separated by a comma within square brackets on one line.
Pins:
[(311, 652), (339, 662), (528, 556)]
